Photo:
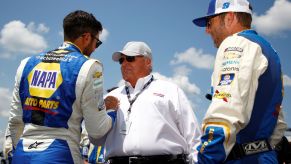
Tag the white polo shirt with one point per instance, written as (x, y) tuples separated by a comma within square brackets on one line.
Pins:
[(161, 122)]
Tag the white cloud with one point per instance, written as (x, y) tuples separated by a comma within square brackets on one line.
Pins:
[(41, 28), (287, 80), (276, 20), (104, 35), (182, 81), (194, 57), (18, 38), (5, 99), (182, 70)]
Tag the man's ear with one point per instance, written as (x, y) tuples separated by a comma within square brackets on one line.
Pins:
[(148, 63), (229, 19), (86, 38)]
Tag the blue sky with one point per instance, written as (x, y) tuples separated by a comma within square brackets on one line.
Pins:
[(182, 52)]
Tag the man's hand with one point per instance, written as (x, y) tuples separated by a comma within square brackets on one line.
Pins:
[(111, 103), (8, 147)]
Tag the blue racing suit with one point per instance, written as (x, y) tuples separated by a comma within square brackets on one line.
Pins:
[(53, 93), (246, 104)]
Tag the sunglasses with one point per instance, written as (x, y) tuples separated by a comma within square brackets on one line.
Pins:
[(208, 23), (209, 19), (98, 43), (128, 59)]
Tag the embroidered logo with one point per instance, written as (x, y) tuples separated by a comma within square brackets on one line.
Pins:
[(44, 79), (226, 79), (159, 94), (34, 145), (222, 95)]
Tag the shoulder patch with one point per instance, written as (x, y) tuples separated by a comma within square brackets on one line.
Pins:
[(97, 74)]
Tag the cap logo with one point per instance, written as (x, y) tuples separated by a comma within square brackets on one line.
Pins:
[(225, 5)]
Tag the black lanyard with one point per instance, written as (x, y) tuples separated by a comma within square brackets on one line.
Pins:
[(133, 100)]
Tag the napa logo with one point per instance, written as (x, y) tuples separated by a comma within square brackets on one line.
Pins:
[(44, 79)]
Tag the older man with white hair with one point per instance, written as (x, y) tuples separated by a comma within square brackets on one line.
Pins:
[(155, 122)]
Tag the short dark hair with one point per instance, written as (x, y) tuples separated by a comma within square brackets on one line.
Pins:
[(79, 22), (245, 19)]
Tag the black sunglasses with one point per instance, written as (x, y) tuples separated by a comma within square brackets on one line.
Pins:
[(208, 21), (128, 58), (98, 43)]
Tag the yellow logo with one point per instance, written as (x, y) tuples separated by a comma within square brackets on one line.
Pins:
[(222, 95), (97, 75), (61, 51), (231, 55), (45, 104), (44, 79)]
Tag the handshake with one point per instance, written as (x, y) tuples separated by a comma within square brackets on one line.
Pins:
[(111, 103)]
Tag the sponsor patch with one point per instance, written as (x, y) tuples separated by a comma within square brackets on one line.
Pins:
[(46, 106), (34, 145), (97, 75), (238, 49), (31, 145), (159, 94), (229, 69), (60, 51), (230, 62), (97, 83), (44, 79), (56, 56), (222, 95), (226, 79), (255, 147), (231, 55), (225, 5)]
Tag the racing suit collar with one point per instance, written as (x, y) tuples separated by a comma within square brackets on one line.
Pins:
[(74, 46)]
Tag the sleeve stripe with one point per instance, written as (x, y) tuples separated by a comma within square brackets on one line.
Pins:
[(225, 126)]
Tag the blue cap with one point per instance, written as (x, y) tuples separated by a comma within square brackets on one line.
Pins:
[(221, 6)]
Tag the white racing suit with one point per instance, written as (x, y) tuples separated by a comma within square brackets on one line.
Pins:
[(53, 93), (246, 104)]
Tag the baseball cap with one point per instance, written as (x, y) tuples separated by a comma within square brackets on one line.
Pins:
[(133, 48), (221, 6)]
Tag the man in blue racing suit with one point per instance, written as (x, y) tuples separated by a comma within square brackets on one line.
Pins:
[(54, 91), (244, 120)]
